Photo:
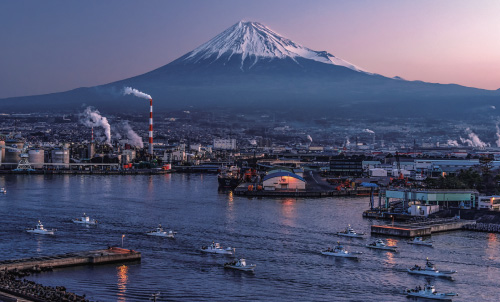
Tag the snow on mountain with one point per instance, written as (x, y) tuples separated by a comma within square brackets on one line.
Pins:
[(254, 41)]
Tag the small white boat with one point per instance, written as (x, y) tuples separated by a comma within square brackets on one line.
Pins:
[(216, 248), (380, 245), (349, 232), (85, 219), (41, 230), (161, 233), (338, 251), (429, 292), (3, 191), (240, 265), (429, 270), (420, 241)]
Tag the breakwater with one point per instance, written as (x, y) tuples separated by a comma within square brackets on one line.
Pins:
[(483, 227), (16, 289)]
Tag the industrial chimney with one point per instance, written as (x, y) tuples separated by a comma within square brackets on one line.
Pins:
[(151, 127)]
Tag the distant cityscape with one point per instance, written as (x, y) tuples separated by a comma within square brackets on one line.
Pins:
[(185, 137)]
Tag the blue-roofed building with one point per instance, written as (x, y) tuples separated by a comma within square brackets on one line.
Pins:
[(283, 180)]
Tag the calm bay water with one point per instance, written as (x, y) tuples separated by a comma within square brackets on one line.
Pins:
[(281, 236)]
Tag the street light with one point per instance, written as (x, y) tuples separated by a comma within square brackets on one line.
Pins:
[(123, 236)]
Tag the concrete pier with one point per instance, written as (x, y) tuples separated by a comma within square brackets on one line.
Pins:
[(110, 255), (421, 228)]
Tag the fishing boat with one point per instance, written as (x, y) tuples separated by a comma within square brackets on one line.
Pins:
[(229, 177), (420, 241), (85, 219), (161, 233), (429, 292), (380, 245), (240, 265), (39, 229), (429, 270), (338, 251), (349, 232), (216, 248)]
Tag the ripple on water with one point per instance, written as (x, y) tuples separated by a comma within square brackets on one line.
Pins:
[(282, 236)]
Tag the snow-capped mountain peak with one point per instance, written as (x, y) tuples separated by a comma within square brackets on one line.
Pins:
[(254, 41)]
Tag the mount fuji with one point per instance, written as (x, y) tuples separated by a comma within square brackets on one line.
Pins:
[(249, 66)]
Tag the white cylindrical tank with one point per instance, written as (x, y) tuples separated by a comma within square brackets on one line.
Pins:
[(2, 151), (60, 156), (36, 158), (12, 156)]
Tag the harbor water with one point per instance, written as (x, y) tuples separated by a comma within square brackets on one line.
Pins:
[(282, 236)]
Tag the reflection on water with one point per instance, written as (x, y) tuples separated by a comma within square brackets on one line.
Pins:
[(392, 242), (288, 212), (122, 274), (230, 207), (390, 258), (492, 246), (150, 184), (39, 244)]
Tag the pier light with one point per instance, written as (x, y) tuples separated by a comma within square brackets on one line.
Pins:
[(123, 236)]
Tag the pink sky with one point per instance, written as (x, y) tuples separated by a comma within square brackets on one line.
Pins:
[(61, 45)]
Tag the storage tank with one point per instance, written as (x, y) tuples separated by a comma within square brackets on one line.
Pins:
[(36, 158), (2, 151), (60, 156), (12, 156)]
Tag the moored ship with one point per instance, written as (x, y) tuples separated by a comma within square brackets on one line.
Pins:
[(229, 177)]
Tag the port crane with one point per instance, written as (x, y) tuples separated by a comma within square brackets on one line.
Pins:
[(24, 164)]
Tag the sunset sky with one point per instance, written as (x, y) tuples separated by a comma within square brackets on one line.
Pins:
[(52, 46)]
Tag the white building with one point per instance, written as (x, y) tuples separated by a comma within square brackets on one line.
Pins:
[(378, 172), (423, 209), (491, 203), (225, 144), (283, 181)]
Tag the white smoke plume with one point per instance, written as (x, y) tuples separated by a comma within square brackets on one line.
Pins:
[(137, 93), (92, 118), (134, 138), (309, 138), (347, 142), (473, 140), (452, 143), (498, 136), (368, 131)]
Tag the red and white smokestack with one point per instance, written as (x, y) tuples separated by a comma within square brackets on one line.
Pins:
[(92, 138), (151, 127)]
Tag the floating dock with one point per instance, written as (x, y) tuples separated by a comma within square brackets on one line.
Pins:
[(300, 193), (420, 229), (110, 255)]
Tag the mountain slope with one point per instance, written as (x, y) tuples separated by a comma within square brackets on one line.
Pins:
[(248, 66)]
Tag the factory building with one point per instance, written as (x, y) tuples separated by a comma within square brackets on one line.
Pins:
[(346, 167)]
